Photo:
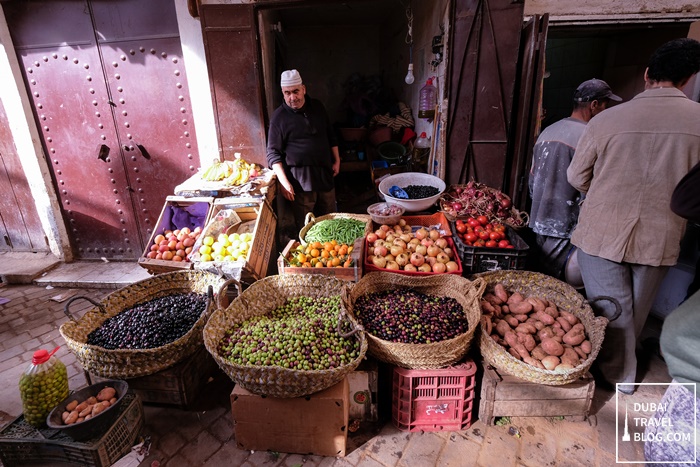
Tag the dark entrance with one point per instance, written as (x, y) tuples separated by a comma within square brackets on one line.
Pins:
[(110, 97)]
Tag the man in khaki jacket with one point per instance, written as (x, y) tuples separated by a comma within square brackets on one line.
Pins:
[(627, 162)]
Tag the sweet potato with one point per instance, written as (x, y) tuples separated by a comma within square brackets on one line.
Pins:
[(500, 292), (545, 332), (570, 357), (550, 362), (72, 417), (71, 405), (586, 347), (552, 311), (527, 340), (86, 410), (552, 347), (91, 400), (563, 367), (487, 308), (580, 352), (521, 318), (80, 419), (543, 317), (564, 323), (486, 323), (512, 321), (538, 352), (505, 309), (80, 407), (575, 336), (502, 327), (526, 328), (65, 415), (511, 339), (492, 299), (514, 298), (534, 362), (523, 307), (537, 303), (570, 317), (495, 337), (106, 393), (514, 353)]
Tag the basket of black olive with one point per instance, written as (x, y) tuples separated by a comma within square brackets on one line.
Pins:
[(286, 336), (145, 327), (416, 322)]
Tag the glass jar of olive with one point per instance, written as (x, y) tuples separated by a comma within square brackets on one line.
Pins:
[(42, 386)]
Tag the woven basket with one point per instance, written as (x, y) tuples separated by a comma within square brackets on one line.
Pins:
[(261, 298), (566, 298), (311, 220), (132, 363), (422, 356)]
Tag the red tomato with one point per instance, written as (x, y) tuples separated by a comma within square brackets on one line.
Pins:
[(510, 246), (499, 227), (473, 222), (483, 220), (484, 235), (470, 237), (489, 226), (491, 244), (479, 243), (460, 226), (503, 244), (495, 236)]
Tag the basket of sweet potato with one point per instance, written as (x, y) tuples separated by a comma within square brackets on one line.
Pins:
[(538, 328)]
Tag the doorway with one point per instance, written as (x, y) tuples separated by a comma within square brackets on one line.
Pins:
[(110, 98)]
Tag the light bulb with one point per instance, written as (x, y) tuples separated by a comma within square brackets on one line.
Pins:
[(409, 76)]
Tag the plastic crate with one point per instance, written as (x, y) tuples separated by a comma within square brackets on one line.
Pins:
[(434, 399), (21, 443), (369, 266), (481, 259), (437, 221)]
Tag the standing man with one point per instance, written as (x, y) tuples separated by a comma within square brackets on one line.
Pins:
[(555, 203), (302, 149), (628, 161)]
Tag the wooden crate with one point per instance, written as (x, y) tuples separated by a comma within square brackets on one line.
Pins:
[(157, 266), (260, 213), (178, 385), (352, 274), (503, 395)]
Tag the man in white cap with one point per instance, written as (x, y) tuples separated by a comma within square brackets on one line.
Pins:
[(302, 149)]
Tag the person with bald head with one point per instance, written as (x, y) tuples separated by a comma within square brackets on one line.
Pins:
[(302, 150)]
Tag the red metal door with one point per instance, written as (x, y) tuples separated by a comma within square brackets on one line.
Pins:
[(20, 226), (110, 96)]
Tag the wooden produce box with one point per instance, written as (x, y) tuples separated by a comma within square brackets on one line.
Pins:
[(23, 444), (352, 274), (257, 218), (363, 382), (166, 221), (178, 385), (503, 395), (316, 424)]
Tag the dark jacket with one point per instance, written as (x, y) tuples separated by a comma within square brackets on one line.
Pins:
[(302, 140), (685, 200)]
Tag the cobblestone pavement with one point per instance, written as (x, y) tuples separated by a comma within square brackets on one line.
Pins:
[(203, 434)]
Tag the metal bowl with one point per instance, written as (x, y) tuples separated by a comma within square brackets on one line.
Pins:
[(95, 426), (412, 178)]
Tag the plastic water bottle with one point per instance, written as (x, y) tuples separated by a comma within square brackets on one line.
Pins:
[(428, 100), (421, 153)]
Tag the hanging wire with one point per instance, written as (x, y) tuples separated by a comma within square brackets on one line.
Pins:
[(409, 17)]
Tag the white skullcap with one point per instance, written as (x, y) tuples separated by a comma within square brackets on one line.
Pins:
[(290, 78)]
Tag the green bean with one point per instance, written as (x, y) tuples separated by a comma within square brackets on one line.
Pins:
[(342, 230)]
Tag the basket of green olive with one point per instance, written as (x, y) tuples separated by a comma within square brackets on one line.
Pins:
[(286, 336)]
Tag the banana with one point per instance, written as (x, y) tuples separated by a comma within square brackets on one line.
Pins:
[(245, 174)]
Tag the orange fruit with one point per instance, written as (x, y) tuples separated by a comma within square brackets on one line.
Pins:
[(315, 253)]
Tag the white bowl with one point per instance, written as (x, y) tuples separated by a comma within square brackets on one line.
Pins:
[(405, 179)]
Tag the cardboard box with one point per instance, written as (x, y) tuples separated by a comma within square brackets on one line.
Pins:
[(363, 392), (503, 395), (191, 209), (316, 424)]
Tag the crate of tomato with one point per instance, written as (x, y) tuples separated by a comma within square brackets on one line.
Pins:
[(488, 246)]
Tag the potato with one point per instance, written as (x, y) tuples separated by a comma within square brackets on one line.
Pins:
[(505, 309), (552, 347), (586, 347), (575, 336), (564, 324), (72, 418), (570, 317), (91, 400), (545, 333), (523, 307), (570, 357), (71, 405), (526, 328), (538, 352), (106, 393), (552, 311), (500, 292), (550, 362), (563, 367), (543, 317), (86, 410), (65, 415), (486, 323), (514, 298), (492, 299), (527, 340), (534, 362), (80, 407), (502, 327), (487, 307), (512, 322), (521, 318), (580, 352), (80, 419), (537, 304), (511, 339), (514, 353)]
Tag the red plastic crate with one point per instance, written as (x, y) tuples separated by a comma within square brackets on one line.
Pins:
[(434, 399), (369, 266)]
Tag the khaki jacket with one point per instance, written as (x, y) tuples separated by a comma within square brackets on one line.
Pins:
[(627, 162)]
